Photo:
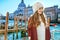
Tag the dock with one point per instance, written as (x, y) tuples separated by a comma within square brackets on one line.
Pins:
[(15, 29), (12, 30)]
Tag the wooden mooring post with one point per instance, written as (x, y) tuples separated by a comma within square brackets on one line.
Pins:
[(16, 26), (6, 26)]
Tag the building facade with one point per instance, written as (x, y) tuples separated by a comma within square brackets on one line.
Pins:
[(52, 12), (58, 15), (22, 11)]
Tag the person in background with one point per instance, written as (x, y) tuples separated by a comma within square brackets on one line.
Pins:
[(38, 25)]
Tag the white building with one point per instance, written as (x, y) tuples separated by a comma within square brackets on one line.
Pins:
[(52, 13), (58, 15), (22, 10)]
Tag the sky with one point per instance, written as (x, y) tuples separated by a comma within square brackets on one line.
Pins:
[(11, 5)]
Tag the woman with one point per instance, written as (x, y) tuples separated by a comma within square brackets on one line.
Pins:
[(38, 26)]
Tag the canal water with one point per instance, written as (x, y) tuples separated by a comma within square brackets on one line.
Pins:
[(54, 30), (13, 36)]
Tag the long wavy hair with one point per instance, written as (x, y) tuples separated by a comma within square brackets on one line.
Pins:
[(34, 20)]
